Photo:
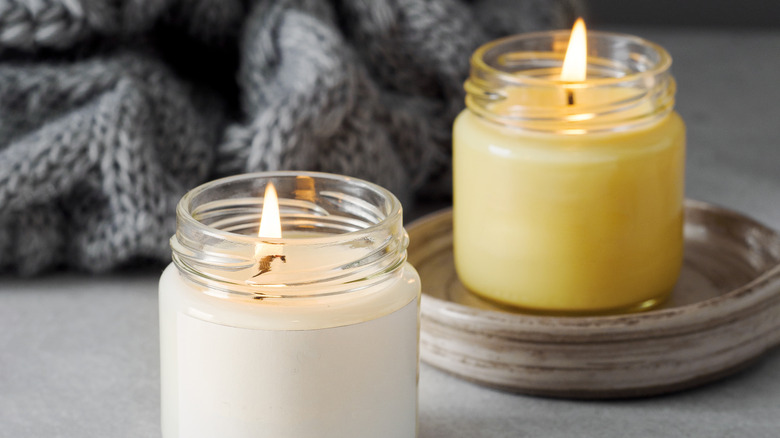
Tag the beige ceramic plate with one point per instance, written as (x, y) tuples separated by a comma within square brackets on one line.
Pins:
[(724, 312)]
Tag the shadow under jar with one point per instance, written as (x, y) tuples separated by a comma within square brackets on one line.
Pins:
[(568, 195), (310, 335)]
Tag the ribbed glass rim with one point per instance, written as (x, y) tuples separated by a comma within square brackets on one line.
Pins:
[(350, 210), (521, 65), (663, 63), (184, 208)]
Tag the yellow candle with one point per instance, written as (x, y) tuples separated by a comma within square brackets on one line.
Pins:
[(568, 195)]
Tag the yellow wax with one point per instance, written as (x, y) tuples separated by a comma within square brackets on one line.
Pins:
[(568, 223)]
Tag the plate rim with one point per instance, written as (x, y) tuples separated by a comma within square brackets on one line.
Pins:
[(669, 320)]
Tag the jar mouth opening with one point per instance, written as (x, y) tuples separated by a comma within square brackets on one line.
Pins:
[(342, 234), (515, 82), (187, 211), (551, 47)]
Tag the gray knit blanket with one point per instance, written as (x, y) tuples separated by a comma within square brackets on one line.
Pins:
[(110, 110)]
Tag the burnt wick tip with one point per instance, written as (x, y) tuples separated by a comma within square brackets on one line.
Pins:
[(264, 264)]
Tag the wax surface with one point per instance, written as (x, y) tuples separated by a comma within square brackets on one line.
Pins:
[(568, 223), (239, 369)]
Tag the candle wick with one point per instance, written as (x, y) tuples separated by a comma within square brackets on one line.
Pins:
[(570, 97), (265, 263)]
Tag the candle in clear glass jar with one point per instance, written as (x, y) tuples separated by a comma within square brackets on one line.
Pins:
[(568, 192), (311, 334)]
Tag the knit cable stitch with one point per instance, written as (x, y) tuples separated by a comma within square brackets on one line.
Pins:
[(111, 110)]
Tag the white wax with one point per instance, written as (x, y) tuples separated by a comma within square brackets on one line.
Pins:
[(345, 367)]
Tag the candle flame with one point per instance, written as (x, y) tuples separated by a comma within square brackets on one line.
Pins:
[(270, 223), (270, 226), (576, 60)]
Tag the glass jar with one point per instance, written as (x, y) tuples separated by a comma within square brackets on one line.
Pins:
[(568, 196), (310, 335)]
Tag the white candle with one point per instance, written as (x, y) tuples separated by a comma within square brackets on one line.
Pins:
[(331, 348)]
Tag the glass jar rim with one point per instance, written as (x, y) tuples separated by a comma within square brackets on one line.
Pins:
[(515, 82), (347, 235), (478, 59), (184, 210)]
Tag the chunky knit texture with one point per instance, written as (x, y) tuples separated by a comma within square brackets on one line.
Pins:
[(111, 110)]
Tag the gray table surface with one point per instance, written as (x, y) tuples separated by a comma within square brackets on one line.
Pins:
[(79, 354)]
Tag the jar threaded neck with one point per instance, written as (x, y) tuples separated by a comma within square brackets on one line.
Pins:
[(342, 234), (515, 82)]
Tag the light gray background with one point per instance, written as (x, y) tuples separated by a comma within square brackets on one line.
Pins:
[(78, 354), (699, 13)]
